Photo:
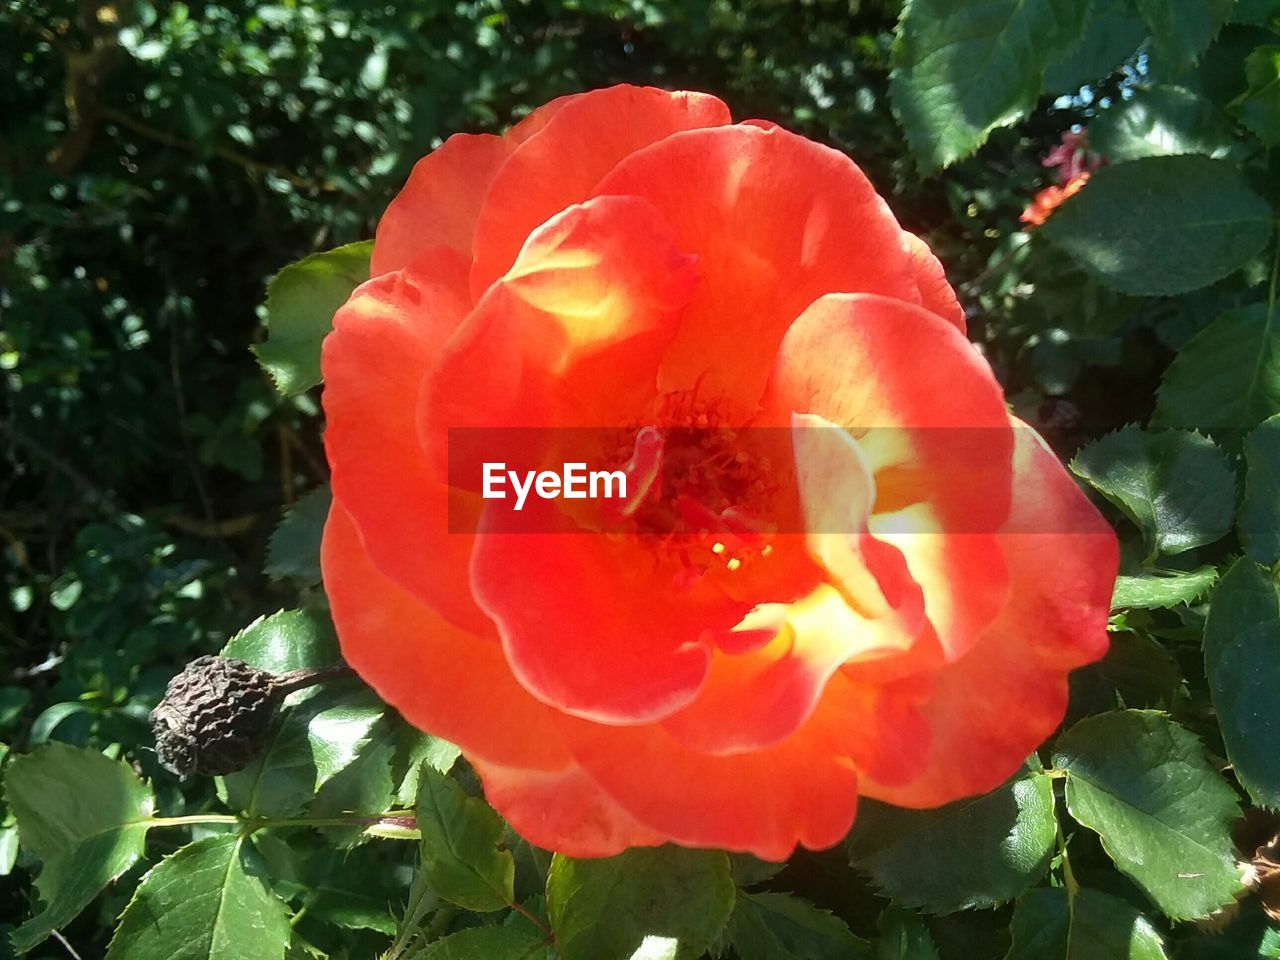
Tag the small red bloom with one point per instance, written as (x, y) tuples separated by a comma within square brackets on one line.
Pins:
[(841, 569), (1050, 198)]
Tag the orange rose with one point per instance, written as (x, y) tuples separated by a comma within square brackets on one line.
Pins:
[(840, 567)]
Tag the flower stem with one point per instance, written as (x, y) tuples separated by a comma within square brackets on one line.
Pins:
[(396, 817)]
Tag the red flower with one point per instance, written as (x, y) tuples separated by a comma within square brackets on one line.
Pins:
[(1050, 198), (886, 601)]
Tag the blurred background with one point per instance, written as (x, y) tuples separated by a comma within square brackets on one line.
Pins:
[(160, 161)]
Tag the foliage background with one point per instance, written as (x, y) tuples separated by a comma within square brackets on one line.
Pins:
[(160, 162)]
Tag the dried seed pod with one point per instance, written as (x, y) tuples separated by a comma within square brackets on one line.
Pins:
[(215, 716)]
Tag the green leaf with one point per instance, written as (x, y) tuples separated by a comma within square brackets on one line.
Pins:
[(1113, 32), (1259, 524), (903, 936), (1248, 937), (1098, 927), (1162, 589), (1242, 663), (86, 816), (13, 700), (981, 852), (202, 904), (485, 943), (339, 734), (301, 301), (1163, 812), (1176, 486), (1162, 225), (357, 889), (779, 926), (282, 780), (463, 858), (657, 948), (1259, 106), (961, 69), (286, 641), (1181, 30), (418, 748), (603, 909), (8, 848), (1159, 121), (294, 552), (363, 786), (1227, 376), (749, 870)]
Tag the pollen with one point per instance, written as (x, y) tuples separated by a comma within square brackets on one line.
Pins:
[(710, 483)]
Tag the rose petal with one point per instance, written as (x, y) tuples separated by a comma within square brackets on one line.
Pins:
[(562, 810), (383, 339), (577, 325), (930, 419), (443, 679), (776, 221), (936, 293), (440, 202), (1009, 692), (595, 625), (559, 165), (764, 802)]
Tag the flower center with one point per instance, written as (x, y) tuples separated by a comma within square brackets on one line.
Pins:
[(700, 479)]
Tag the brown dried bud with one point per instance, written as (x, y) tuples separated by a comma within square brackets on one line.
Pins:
[(215, 716)]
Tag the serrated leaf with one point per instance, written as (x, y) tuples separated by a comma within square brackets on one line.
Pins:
[(1259, 523), (1255, 12), (301, 301), (1259, 106), (417, 748), (657, 948), (903, 936), (294, 551), (1250, 937), (1162, 225), (1160, 121), (8, 848), (484, 943), (1227, 376), (363, 786), (961, 69), (339, 734), (749, 870), (202, 904), (358, 889), (463, 858), (1177, 487), (1183, 29), (1096, 927), (286, 641), (1162, 589), (1113, 32), (86, 816), (779, 926), (1242, 663), (281, 781), (1145, 786), (603, 909), (981, 852)]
